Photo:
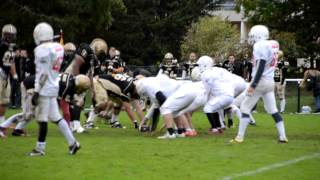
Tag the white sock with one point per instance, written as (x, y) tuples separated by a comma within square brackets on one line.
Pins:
[(282, 105), (1, 119), (281, 130), (64, 128), (11, 120), (41, 146), (221, 118), (92, 116), (114, 118), (252, 119), (244, 121), (237, 111), (76, 124), (22, 124)]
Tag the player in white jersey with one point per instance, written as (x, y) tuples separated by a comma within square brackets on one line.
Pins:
[(48, 59), (158, 89), (262, 85), (186, 99)]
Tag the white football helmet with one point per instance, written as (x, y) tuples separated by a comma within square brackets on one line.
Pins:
[(43, 32), (258, 33), (204, 63), (195, 74)]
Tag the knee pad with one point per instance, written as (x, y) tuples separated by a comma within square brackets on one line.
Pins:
[(244, 115), (277, 118)]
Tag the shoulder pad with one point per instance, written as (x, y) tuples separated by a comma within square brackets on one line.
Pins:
[(84, 51)]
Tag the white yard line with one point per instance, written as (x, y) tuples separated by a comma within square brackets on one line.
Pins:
[(272, 166)]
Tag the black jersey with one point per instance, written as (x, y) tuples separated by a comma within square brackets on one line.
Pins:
[(170, 69), (87, 54), (7, 56), (188, 67), (124, 82), (280, 71), (66, 86), (28, 82)]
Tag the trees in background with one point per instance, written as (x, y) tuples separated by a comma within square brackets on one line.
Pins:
[(300, 18), (81, 20), (212, 36)]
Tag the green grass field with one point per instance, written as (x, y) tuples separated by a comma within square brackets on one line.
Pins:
[(126, 154)]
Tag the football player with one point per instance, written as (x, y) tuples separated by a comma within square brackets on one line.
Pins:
[(186, 99), (169, 66), (221, 87), (7, 65), (118, 88), (158, 89), (189, 65), (280, 73), (48, 59), (68, 87), (262, 84), (69, 53)]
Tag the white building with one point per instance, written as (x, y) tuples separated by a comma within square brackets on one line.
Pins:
[(227, 12)]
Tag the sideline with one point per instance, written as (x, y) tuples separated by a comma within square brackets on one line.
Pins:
[(272, 166)]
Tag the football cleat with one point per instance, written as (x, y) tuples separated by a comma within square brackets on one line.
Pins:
[(182, 135), (236, 140), (19, 132), (284, 140), (168, 136), (116, 125), (80, 130), (191, 133), (252, 123), (74, 148), (214, 131), (36, 152), (2, 134)]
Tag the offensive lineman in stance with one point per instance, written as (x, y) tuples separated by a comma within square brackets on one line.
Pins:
[(48, 59), (262, 85)]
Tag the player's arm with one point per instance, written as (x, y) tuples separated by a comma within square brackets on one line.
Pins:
[(42, 67), (13, 71), (284, 74), (78, 61), (260, 68)]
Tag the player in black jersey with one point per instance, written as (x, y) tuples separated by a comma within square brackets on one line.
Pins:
[(169, 66), (118, 88), (7, 65)]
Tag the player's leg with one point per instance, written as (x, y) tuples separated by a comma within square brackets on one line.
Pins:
[(127, 106), (211, 109), (41, 113), (247, 104), (174, 104), (282, 98), (64, 105), (76, 112), (55, 116), (115, 116), (271, 108), (4, 97)]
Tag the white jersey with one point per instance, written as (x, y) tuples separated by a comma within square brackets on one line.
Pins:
[(48, 58), (266, 50), (151, 85), (217, 81)]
